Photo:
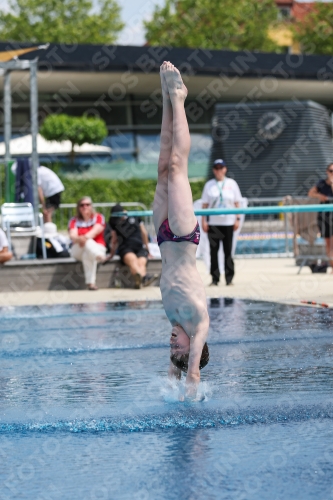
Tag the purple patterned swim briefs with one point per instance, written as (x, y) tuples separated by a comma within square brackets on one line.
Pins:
[(165, 234)]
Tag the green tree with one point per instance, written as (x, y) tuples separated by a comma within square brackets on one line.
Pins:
[(61, 21), (78, 130), (213, 24), (315, 31)]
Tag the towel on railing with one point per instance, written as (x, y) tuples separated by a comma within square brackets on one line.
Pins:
[(304, 223)]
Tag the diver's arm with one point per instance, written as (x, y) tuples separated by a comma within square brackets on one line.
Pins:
[(197, 341)]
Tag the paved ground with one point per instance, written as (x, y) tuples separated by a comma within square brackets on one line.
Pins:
[(259, 279)]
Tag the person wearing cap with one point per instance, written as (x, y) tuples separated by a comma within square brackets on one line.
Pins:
[(130, 238), (221, 192)]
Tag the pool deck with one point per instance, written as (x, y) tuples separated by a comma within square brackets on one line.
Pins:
[(257, 279)]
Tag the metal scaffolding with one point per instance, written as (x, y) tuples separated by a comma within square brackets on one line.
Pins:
[(20, 65)]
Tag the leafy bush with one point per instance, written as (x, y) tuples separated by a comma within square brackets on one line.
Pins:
[(64, 22), (314, 32), (78, 130), (240, 25), (104, 191)]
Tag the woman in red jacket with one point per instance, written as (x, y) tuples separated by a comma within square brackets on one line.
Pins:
[(86, 231)]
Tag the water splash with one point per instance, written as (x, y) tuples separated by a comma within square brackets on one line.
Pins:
[(171, 390), (185, 418)]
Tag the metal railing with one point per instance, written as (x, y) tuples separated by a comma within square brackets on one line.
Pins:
[(265, 235), (270, 226), (66, 211), (262, 234)]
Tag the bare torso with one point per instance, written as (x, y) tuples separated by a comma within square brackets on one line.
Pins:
[(183, 292)]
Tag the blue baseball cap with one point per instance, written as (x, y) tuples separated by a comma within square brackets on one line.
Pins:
[(220, 162)]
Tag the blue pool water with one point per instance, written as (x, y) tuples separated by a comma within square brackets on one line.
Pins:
[(86, 411)]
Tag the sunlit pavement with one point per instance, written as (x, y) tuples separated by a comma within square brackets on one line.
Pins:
[(258, 279)]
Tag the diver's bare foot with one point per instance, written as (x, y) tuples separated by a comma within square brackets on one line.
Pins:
[(174, 81), (164, 85)]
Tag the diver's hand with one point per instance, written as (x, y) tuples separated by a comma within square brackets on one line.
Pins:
[(191, 386), (190, 394)]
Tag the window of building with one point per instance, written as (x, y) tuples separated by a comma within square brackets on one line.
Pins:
[(284, 13), (20, 119), (122, 145), (200, 148), (148, 148), (197, 115), (147, 113)]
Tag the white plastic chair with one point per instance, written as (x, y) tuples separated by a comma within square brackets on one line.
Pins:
[(19, 218)]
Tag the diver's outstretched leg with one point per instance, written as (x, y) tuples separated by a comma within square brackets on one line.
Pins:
[(160, 205), (181, 216)]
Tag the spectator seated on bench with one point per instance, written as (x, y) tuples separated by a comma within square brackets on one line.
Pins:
[(129, 238), (5, 254), (86, 232)]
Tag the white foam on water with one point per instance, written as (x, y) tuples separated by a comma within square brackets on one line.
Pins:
[(172, 390)]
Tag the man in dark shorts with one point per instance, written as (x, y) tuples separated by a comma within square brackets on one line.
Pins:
[(50, 188), (129, 236), (323, 191)]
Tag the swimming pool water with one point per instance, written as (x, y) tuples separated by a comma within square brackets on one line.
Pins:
[(86, 411)]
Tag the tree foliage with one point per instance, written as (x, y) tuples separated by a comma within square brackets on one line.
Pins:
[(113, 190), (315, 31), (61, 21), (213, 24), (109, 190), (78, 130)]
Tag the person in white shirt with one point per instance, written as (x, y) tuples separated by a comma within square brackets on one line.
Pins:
[(5, 254), (50, 188), (221, 192)]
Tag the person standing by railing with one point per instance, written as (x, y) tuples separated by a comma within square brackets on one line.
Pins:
[(86, 231), (323, 191), (221, 192)]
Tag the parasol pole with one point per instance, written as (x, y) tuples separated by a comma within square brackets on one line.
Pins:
[(7, 129)]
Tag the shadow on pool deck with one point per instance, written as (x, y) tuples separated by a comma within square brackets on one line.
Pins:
[(258, 279)]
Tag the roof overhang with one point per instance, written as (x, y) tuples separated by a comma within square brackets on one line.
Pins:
[(118, 71), (117, 86)]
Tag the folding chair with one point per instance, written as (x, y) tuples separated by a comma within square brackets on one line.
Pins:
[(19, 218)]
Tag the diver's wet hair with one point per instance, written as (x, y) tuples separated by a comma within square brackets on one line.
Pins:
[(182, 362)]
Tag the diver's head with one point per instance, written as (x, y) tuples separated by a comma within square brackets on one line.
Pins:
[(180, 349)]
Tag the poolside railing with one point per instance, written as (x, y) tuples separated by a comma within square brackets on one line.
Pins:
[(269, 215), (271, 227), (66, 211)]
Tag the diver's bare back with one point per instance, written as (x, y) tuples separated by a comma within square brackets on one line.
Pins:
[(182, 289)]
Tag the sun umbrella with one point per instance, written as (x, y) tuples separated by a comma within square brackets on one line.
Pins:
[(23, 146)]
